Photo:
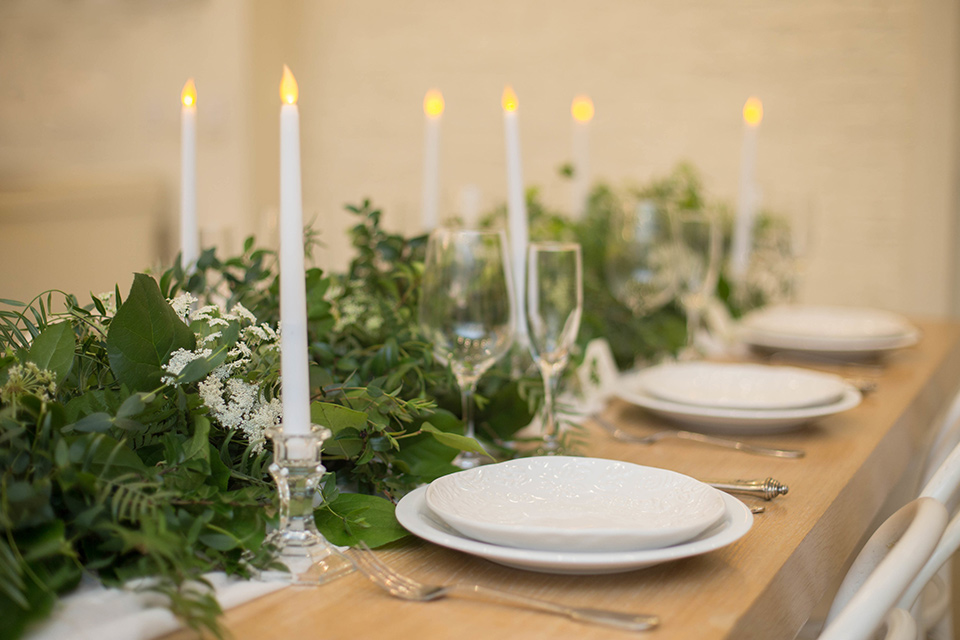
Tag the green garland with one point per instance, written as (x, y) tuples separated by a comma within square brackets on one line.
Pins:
[(131, 428)]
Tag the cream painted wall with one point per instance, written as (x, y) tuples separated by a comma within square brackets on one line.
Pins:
[(860, 98)]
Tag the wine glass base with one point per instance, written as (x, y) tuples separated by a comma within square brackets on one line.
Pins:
[(470, 460), (309, 558)]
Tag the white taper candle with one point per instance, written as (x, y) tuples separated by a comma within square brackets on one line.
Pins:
[(516, 210), (582, 111), (747, 199), (433, 110), (189, 237), (294, 367)]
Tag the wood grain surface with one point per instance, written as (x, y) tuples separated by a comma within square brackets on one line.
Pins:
[(764, 586)]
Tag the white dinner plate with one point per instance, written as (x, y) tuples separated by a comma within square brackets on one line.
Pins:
[(731, 421), (742, 386), (566, 503), (836, 330), (414, 514)]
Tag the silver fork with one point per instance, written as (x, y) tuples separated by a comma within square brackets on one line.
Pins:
[(406, 588), (619, 434)]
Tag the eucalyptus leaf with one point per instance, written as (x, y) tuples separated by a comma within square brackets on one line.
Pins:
[(53, 349), (454, 440), (143, 334), (379, 524)]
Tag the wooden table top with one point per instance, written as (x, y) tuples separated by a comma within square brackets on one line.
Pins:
[(764, 586)]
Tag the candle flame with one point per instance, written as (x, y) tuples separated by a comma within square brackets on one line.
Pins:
[(753, 111), (289, 91), (509, 99), (433, 104), (189, 94), (582, 109)]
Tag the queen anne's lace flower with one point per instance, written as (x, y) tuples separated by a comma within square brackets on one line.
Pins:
[(232, 400)]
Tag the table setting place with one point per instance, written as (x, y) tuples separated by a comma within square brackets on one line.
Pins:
[(472, 387)]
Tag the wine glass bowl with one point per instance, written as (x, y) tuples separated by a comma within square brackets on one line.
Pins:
[(466, 310), (697, 263), (640, 259)]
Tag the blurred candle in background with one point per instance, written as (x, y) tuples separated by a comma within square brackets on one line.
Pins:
[(748, 192), (582, 111), (294, 366), (516, 208), (433, 110), (189, 236)]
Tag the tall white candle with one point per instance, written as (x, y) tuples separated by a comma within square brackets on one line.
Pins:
[(433, 111), (189, 237), (747, 199), (582, 111), (516, 209), (294, 367)]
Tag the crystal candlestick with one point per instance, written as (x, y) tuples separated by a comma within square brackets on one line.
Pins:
[(297, 544)]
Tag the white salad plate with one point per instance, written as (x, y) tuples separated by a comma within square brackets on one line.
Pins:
[(837, 330), (742, 386), (631, 388), (414, 514), (565, 503)]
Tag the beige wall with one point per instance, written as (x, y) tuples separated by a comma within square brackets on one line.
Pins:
[(860, 100)]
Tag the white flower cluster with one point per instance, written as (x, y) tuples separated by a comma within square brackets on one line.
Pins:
[(234, 402)]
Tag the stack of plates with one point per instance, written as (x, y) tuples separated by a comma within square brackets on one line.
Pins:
[(737, 398), (838, 331), (574, 515)]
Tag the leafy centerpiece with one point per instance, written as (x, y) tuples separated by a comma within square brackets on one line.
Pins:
[(132, 429)]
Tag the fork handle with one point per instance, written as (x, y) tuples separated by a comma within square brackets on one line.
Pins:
[(627, 621), (740, 446)]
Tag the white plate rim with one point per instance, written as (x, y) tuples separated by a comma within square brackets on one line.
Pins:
[(413, 514), (744, 421), (824, 396), (520, 536), (760, 338)]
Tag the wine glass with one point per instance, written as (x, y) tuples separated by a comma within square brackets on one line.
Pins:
[(640, 261), (697, 264), (466, 310), (554, 305)]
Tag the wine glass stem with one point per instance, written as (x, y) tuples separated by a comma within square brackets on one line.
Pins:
[(467, 389), (551, 383)]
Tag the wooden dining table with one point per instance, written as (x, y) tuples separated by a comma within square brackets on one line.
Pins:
[(763, 586)]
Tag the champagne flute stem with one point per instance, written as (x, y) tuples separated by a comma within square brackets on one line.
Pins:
[(693, 323), (551, 383)]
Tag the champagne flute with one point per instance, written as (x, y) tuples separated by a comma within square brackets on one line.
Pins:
[(466, 310), (554, 305), (640, 259), (697, 264)]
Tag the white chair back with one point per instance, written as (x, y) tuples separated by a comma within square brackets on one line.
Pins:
[(880, 575)]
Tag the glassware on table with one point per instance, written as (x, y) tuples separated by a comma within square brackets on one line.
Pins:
[(297, 544), (554, 305), (697, 264), (640, 259), (466, 310)]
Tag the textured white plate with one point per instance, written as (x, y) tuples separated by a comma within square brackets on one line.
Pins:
[(414, 514), (731, 421), (741, 386), (565, 503), (828, 329)]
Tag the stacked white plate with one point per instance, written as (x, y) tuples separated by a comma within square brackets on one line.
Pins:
[(838, 331), (572, 515), (737, 398)]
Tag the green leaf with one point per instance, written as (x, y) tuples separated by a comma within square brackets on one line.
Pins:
[(354, 517), (198, 446), (454, 440), (143, 334), (337, 417), (53, 349)]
